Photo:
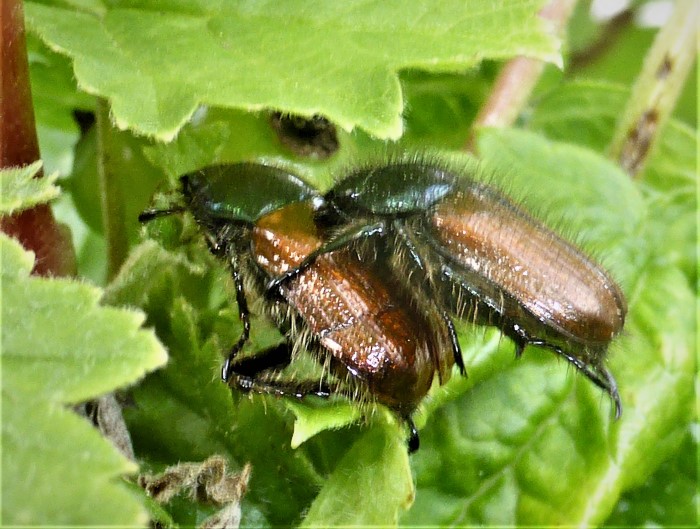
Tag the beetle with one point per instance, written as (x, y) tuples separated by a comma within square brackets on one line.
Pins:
[(381, 341), (214, 196), (483, 257)]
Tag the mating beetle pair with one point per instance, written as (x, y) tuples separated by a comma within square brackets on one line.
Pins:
[(335, 263)]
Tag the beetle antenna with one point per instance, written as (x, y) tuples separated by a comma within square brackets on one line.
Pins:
[(150, 214)]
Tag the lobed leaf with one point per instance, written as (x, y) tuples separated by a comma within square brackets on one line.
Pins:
[(56, 98), (336, 59), (20, 190), (60, 347), (370, 486)]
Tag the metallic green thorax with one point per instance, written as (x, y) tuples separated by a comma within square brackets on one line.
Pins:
[(242, 192), (394, 190)]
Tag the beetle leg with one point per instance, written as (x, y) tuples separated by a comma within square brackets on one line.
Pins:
[(221, 246), (276, 357), (522, 340), (243, 314), (336, 242), (246, 375), (148, 215), (413, 438), (454, 341), (298, 391), (612, 390), (602, 378), (599, 375)]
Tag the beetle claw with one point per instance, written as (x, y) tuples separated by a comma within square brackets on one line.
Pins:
[(413, 438)]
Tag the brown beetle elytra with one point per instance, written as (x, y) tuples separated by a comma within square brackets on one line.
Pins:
[(518, 260), (379, 341), (537, 287)]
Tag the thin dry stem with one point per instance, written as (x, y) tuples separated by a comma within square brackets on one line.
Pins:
[(517, 79), (657, 88)]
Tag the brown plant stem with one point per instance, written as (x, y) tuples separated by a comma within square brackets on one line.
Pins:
[(517, 79), (610, 34), (36, 228)]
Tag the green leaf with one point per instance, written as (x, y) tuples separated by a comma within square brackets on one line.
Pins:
[(655, 368), (60, 347), (669, 498), (55, 97), (370, 486), (49, 452), (184, 412), (311, 420), (582, 112), (440, 108), (671, 182), (20, 190), (336, 59)]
